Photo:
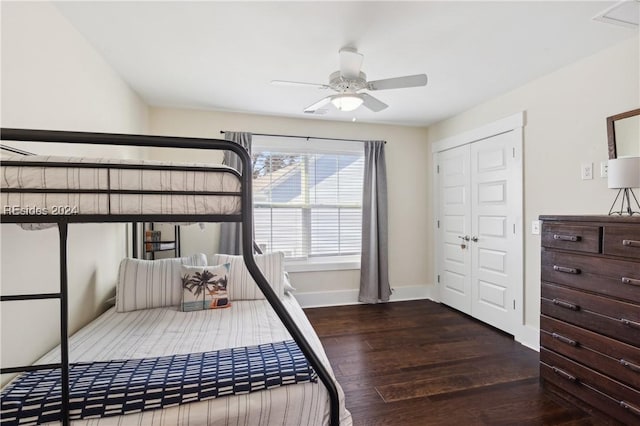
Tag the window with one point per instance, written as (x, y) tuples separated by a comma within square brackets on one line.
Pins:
[(308, 197)]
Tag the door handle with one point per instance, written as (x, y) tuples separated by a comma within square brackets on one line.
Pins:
[(626, 405), (630, 323), (632, 281), (572, 238), (474, 239), (465, 238), (631, 243), (567, 305), (566, 270), (564, 374), (631, 366), (563, 339)]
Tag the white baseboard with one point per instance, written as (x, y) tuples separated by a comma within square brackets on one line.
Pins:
[(415, 292), (318, 299), (529, 336)]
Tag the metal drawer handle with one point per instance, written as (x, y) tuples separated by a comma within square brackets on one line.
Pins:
[(631, 243), (568, 305), (631, 366), (564, 374), (632, 281), (626, 405), (632, 324), (572, 238), (565, 339), (566, 270)]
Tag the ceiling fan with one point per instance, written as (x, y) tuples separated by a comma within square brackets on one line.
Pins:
[(349, 82)]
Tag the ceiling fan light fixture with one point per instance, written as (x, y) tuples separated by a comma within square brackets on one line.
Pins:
[(347, 101), (351, 84)]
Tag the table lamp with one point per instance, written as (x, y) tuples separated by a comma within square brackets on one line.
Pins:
[(624, 174)]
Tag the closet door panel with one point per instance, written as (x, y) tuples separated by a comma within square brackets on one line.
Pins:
[(491, 283), (455, 223)]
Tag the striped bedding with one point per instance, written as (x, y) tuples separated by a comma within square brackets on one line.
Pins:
[(217, 179), (166, 331)]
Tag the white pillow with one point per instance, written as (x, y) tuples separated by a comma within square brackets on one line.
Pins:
[(146, 284), (241, 284)]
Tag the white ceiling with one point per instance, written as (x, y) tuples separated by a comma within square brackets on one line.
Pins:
[(223, 55)]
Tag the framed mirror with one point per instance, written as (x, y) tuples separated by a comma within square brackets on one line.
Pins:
[(623, 133)]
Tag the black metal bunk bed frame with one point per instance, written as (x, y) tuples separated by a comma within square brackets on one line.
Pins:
[(245, 218)]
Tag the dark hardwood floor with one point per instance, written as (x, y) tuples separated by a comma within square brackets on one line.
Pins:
[(422, 363)]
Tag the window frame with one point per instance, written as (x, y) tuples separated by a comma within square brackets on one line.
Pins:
[(303, 146)]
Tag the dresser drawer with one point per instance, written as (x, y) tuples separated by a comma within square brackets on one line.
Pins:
[(611, 277), (622, 240), (585, 238), (613, 318), (611, 397), (608, 356)]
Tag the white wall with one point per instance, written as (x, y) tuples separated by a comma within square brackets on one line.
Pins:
[(52, 79), (565, 126), (410, 259)]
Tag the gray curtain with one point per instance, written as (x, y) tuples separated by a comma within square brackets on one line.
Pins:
[(374, 263), (231, 233)]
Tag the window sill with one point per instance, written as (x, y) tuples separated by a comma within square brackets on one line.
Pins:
[(326, 264)]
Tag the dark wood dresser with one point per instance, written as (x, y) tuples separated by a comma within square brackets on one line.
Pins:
[(590, 313)]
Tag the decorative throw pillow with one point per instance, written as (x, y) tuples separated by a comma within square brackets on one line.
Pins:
[(204, 287), (241, 284), (146, 284)]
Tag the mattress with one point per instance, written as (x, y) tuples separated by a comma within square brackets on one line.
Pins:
[(112, 186), (166, 331)]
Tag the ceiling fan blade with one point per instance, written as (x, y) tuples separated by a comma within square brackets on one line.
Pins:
[(350, 62), (398, 82), (372, 103), (298, 84), (316, 106)]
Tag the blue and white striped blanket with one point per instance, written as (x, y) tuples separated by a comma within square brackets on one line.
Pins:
[(101, 389)]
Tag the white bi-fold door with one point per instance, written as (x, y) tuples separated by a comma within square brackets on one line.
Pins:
[(479, 229)]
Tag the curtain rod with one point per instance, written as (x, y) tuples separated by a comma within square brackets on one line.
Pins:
[(306, 137)]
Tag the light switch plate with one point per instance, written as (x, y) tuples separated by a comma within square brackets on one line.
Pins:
[(535, 227), (604, 169)]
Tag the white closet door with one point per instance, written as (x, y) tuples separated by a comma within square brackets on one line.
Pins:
[(455, 227), (495, 255), (480, 198)]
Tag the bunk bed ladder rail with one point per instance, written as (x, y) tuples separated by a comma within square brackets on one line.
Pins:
[(246, 220), (63, 365)]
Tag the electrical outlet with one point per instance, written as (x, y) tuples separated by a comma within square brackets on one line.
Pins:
[(587, 171), (535, 227), (604, 169)]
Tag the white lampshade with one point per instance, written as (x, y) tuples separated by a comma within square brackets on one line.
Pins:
[(624, 172), (347, 101)]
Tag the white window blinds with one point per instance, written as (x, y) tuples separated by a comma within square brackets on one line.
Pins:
[(308, 196)]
